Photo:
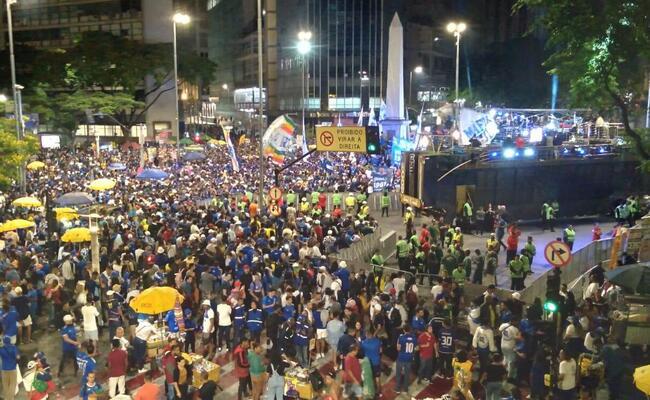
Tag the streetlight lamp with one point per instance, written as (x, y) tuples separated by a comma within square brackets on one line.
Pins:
[(183, 19), (457, 28), (304, 47), (417, 70)]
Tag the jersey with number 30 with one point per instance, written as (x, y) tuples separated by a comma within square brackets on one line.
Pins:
[(446, 341), (407, 344)]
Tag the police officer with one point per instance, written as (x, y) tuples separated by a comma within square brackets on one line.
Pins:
[(377, 261), (291, 197), (569, 236), (385, 203), (403, 250), (336, 199), (350, 204), (467, 216), (408, 220), (547, 217), (516, 273)]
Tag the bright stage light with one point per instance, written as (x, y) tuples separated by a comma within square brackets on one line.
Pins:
[(509, 153), (529, 152)]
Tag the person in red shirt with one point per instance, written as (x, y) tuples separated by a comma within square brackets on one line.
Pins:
[(242, 369), (512, 243), (322, 201), (148, 391), (337, 213), (118, 362), (427, 346), (170, 367), (352, 372), (596, 233)]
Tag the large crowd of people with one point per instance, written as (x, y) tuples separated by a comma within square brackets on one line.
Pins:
[(263, 289)]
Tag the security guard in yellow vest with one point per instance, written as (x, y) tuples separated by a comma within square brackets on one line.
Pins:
[(314, 197), (403, 250), (569, 236), (350, 204), (291, 198), (304, 206), (385, 203), (336, 200), (364, 210), (408, 220)]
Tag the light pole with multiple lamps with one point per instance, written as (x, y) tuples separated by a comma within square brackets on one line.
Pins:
[(183, 19), (457, 28), (304, 47), (417, 70)]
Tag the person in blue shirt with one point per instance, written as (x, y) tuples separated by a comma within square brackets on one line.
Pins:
[(239, 317), (69, 344), (417, 323), (9, 357), (254, 322), (371, 347), (301, 339), (446, 348), (269, 302), (85, 361), (344, 275), (170, 320), (9, 321), (406, 344), (190, 331), (90, 388), (289, 311)]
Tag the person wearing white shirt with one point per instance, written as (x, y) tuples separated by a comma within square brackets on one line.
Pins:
[(509, 335), (437, 289), (89, 313), (483, 342), (224, 311), (143, 331), (473, 319), (566, 377), (207, 327), (399, 283), (119, 335), (592, 289)]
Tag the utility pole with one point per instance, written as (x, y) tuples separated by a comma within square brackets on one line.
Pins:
[(260, 83)]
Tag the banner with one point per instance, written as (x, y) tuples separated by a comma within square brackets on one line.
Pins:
[(278, 138), (231, 151), (381, 178)]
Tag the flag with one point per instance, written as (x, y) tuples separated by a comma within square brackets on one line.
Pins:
[(231, 151), (360, 123), (372, 119), (339, 123), (278, 138), (382, 111)]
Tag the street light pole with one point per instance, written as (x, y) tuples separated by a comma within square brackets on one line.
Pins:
[(179, 18), (457, 28), (260, 83), (12, 62), (417, 70)]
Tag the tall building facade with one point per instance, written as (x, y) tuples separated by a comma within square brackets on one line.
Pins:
[(50, 24), (345, 69)]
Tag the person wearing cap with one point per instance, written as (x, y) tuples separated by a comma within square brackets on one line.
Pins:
[(69, 344), (364, 211), (350, 204), (207, 326), (21, 304)]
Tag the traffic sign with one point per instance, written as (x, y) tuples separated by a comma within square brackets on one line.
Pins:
[(350, 139), (275, 193), (558, 254)]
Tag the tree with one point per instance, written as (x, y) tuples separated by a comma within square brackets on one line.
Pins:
[(13, 152), (601, 49), (106, 73)]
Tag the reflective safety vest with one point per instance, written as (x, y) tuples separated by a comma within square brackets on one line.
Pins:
[(408, 216), (314, 197), (350, 201), (364, 211), (516, 269), (304, 207), (467, 209), (385, 200), (570, 235), (402, 248), (336, 199), (291, 198)]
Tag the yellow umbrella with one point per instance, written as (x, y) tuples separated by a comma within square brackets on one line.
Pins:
[(642, 379), (156, 300), (35, 165), (102, 184), (27, 202), (66, 213), (76, 235), (16, 224)]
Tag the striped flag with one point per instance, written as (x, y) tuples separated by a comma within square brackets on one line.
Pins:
[(231, 151), (278, 138)]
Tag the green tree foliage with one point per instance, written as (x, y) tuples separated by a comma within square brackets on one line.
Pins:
[(104, 73), (601, 48), (13, 152)]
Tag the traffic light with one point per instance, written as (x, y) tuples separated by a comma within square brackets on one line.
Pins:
[(550, 306), (373, 147)]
